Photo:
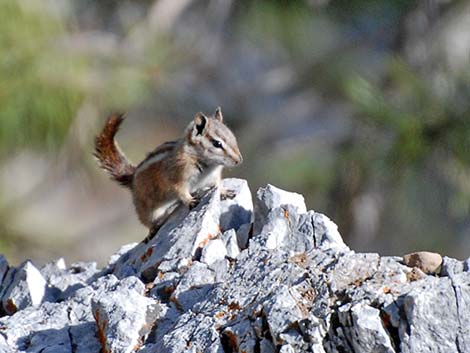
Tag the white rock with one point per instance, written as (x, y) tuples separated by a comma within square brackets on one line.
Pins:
[(27, 287), (275, 197), (231, 243), (193, 286), (62, 280), (123, 315), (282, 311), (434, 316), (271, 197), (276, 230), (215, 250), (122, 251), (326, 233), (239, 210), (287, 348), (367, 334), (181, 237), (296, 288)]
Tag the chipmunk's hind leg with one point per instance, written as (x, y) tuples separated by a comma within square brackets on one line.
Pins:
[(153, 230)]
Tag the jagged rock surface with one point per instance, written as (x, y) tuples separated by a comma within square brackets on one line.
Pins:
[(220, 279)]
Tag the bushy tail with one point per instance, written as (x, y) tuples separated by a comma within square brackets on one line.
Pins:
[(110, 156)]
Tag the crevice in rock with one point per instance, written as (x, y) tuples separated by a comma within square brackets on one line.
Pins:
[(331, 265), (5, 274), (392, 331), (251, 233), (347, 335), (459, 313), (312, 221), (229, 342), (73, 345), (229, 300), (332, 338), (4, 335), (10, 274), (341, 298), (164, 293), (148, 275), (197, 254), (257, 348), (266, 332)]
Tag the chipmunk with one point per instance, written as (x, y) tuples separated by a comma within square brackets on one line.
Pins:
[(175, 171)]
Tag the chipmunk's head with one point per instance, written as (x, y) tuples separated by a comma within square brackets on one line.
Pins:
[(213, 141)]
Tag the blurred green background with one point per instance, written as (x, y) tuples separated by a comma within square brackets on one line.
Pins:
[(362, 106)]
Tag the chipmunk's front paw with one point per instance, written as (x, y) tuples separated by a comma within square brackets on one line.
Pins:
[(194, 202), (228, 195)]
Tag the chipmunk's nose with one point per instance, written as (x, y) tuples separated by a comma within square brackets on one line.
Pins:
[(239, 160)]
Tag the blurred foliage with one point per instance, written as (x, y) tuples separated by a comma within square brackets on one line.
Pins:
[(417, 123), (44, 79), (38, 98)]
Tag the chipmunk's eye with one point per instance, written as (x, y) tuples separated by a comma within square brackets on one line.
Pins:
[(216, 143)]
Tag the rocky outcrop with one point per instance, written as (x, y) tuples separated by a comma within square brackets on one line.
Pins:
[(224, 279)]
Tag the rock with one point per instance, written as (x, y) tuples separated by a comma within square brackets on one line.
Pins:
[(3, 269), (215, 250), (124, 316), (25, 286), (282, 312), (326, 233), (181, 237), (243, 235), (431, 319), (237, 211), (271, 197), (121, 253), (36, 329), (52, 327), (240, 337), (62, 281), (287, 348), (231, 243), (212, 281), (164, 285), (193, 286), (277, 230), (266, 346), (466, 265), (195, 333), (364, 329), (460, 284), (352, 270), (428, 262), (451, 266)]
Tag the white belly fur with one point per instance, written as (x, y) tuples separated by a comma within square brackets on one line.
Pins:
[(208, 179)]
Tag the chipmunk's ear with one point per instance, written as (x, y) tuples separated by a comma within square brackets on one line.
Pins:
[(218, 114), (200, 123)]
